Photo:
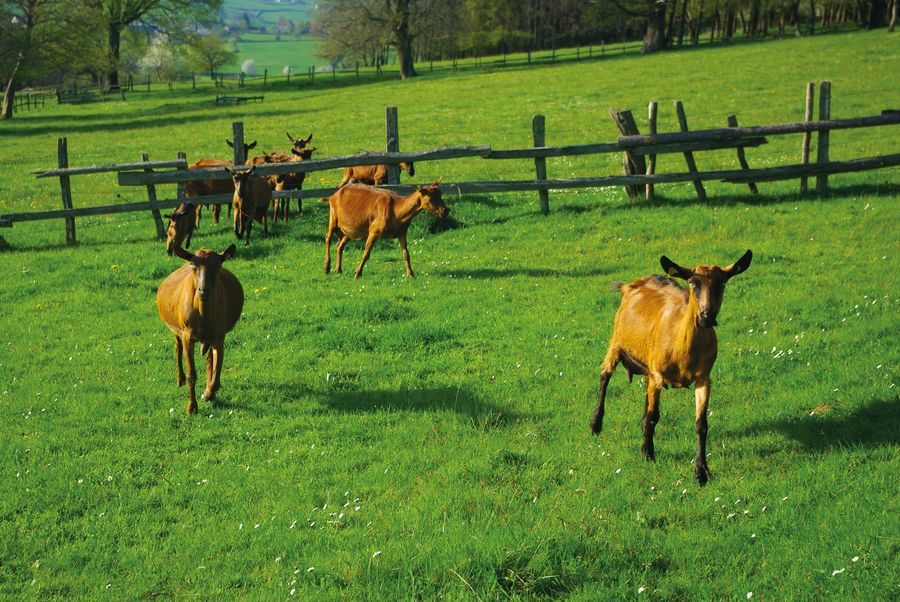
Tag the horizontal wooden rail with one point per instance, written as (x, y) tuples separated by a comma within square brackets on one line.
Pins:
[(614, 147), (72, 171), (758, 130), (131, 178), (735, 175)]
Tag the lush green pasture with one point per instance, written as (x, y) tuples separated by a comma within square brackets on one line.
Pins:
[(392, 439), (274, 54)]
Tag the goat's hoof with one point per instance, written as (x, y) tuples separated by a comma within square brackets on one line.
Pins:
[(649, 455), (596, 427), (208, 395), (702, 474), (192, 408), (180, 380)]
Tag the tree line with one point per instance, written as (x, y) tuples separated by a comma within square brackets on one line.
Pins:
[(418, 30)]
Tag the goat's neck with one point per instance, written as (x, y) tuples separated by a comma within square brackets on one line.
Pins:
[(407, 207), (689, 330)]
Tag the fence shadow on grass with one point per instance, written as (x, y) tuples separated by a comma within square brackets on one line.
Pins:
[(492, 273), (875, 424)]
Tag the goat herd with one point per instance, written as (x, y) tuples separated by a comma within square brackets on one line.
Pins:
[(662, 331)]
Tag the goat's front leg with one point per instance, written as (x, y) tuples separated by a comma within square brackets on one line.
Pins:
[(403, 248), (328, 236), (188, 345), (373, 236), (265, 221), (178, 353), (213, 370), (249, 227), (701, 394), (651, 415), (216, 211), (340, 252)]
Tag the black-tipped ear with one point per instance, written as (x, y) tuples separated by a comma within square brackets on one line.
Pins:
[(740, 265), (252, 145), (673, 270), (228, 253), (186, 255), (291, 138), (229, 142), (296, 152), (308, 138)]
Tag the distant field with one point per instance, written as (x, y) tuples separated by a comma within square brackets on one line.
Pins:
[(274, 55), (267, 12), (397, 439)]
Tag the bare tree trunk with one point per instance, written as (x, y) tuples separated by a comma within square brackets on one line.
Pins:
[(114, 40), (403, 39), (811, 21), (877, 10), (681, 24), (893, 16), (9, 95), (696, 37), (655, 38)]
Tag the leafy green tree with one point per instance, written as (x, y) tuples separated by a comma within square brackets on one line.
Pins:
[(210, 52)]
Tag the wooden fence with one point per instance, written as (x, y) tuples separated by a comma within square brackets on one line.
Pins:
[(640, 151)]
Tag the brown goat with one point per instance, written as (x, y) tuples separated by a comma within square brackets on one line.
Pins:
[(252, 197), (362, 211), (200, 302), (298, 144), (210, 187), (667, 334), (289, 181), (181, 226), (375, 175)]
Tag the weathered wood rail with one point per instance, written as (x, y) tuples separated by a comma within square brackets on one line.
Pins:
[(640, 178)]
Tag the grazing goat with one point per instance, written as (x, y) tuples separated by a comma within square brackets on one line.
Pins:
[(252, 196), (374, 175), (200, 302), (666, 333), (181, 227), (290, 181), (362, 211), (210, 187)]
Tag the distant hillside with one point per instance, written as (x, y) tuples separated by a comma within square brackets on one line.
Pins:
[(266, 13)]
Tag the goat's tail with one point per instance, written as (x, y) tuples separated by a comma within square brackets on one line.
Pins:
[(204, 348), (617, 286)]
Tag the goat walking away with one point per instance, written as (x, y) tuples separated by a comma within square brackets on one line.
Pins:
[(289, 181), (374, 175), (667, 334), (180, 227), (200, 302), (361, 211), (252, 196)]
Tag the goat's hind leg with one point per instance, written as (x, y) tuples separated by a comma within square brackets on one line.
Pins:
[(178, 356), (606, 370), (701, 395), (651, 414)]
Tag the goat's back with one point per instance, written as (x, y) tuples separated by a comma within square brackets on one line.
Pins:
[(208, 187), (649, 314)]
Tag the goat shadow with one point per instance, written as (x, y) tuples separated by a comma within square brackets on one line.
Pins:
[(493, 273), (873, 425), (459, 399)]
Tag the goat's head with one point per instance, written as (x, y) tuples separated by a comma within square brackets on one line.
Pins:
[(408, 167), (303, 154), (181, 224), (240, 178), (206, 265), (247, 147), (707, 284), (431, 199), (298, 143)]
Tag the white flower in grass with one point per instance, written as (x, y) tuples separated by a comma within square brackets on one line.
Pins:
[(837, 571), (376, 554), (642, 589), (749, 595), (310, 569), (855, 559)]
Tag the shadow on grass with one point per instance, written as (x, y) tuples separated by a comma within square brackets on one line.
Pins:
[(491, 273), (745, 198), (874, 425)]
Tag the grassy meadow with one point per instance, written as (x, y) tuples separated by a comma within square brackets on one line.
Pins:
[(393, 438)]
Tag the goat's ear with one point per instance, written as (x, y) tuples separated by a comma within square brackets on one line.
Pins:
[(252, 145), (291, 138), (228, 253), (251, 170), (186, 255), (294, 151), (229, 142), (228, 169), (740, 265), (673, 270)]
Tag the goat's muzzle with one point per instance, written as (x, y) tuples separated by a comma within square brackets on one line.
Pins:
[(706, 320)]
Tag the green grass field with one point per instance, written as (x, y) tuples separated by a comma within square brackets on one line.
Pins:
[(274, 54), (393, 439)]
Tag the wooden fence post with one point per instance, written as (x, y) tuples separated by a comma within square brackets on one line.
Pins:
[(265, 77), (807, 136), (822, 146), (65, 187), (540, 163), (289, 75), (237, 130), (742, 157), (632, 164), (392, 132), (651, 159), (689, 156), (151, 198), (183, 156)]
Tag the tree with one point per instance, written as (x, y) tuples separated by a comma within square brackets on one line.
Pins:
[(40, 39), (210, 52), (654, 12), (169, 16)]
